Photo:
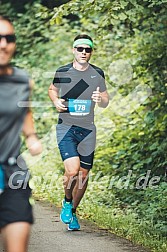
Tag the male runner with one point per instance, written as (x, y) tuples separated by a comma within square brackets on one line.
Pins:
[(76, 89), (15, 209)]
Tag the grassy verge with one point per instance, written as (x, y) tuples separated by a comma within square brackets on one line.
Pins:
[(124, 223), (99, 204)]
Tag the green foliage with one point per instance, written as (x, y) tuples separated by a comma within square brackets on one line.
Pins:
[(134, 31), (128, 180), (38, 51), (106, 14)]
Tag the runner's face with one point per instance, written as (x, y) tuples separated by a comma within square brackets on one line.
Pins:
[(82, 57), (6, 49)]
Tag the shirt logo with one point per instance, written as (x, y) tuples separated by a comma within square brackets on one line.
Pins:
[(93, 76)]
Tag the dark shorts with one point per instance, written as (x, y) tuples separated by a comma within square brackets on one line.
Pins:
[(74, 141), (15, 206)]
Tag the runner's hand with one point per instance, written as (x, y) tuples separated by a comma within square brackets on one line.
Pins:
[(59, 105), (96, 96)]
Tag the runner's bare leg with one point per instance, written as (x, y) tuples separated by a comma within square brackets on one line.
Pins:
[(16, 236)]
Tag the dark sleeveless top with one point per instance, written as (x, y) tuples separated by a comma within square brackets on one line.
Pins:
[(13, 89)]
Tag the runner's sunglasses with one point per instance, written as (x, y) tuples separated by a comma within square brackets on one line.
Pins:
[(87, 49), (10, 38)]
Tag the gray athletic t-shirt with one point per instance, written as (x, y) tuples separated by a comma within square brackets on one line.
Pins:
[(76, 87), (13, 89)]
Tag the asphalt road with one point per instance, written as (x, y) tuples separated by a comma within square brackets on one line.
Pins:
[(51, 235)]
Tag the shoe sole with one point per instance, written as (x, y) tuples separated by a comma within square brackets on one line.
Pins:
[(75, 229)]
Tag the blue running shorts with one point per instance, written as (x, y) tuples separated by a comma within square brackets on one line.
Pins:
[(75, 141)]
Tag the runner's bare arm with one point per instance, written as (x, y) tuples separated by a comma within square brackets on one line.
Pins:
[(54, 96), (32, 141), (28, 125), (104, 99), (101, 98)]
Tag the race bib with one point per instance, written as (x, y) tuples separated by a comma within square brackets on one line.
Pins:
[(79, 107)]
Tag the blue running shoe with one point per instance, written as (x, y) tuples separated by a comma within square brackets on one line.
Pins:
[(74, 225), (66, 212)]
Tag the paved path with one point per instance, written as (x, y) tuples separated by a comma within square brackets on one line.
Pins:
[(51, 235)]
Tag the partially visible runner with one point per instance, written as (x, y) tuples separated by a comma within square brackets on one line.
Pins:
[(15, 209), (75, 90)]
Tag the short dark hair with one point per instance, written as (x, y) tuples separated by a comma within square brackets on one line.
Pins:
[(81, 36)]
